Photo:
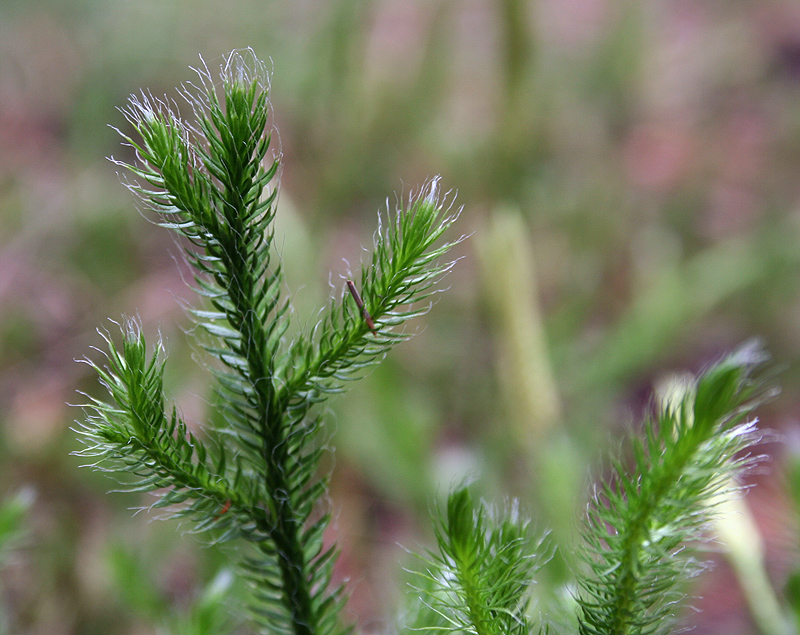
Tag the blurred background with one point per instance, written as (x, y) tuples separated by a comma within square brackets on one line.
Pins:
[(630, 175)]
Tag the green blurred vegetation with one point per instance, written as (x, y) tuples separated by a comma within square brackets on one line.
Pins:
[(630, 171)]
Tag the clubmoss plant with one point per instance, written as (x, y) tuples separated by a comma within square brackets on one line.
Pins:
[(212, 181), (641, 521), (636, 551), (257, 478)]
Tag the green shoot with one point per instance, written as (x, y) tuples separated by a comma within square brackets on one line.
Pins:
[(213, 182)]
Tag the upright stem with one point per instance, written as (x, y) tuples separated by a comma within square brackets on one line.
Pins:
[(284, 529), (627, 583)]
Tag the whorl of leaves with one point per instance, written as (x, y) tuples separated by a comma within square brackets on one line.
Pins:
[(479, 580)]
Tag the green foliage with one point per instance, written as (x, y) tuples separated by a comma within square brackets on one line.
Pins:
[(635, 552), (13, 512), (478, 581), (256, 478), (206, 614), (640, 521)]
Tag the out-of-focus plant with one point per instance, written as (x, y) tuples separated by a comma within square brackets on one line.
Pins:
[(206, 613), (13, 512)]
